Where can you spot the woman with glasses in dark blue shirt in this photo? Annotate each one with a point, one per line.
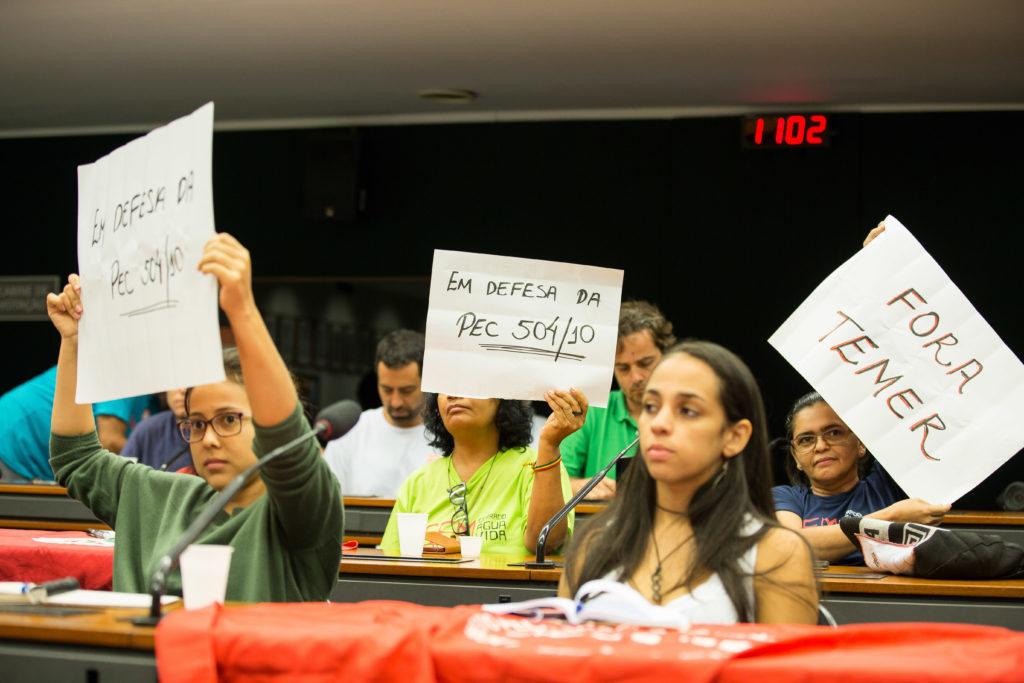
(827, 468)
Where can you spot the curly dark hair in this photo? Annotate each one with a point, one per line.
(514, 420)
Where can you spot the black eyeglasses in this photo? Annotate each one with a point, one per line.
(224, 424)
(460, 519)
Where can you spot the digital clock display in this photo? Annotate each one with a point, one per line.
(794, 130)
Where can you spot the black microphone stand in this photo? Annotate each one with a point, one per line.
(167, 563)
(177, 456)
(540, 562)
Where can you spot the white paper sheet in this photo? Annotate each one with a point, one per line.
(505, 327)
(91, 598)
(145, 211)
(903, 357)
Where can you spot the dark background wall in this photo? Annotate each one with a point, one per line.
(728, 241)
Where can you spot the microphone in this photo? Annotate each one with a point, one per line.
(542, 537)
(338, 417)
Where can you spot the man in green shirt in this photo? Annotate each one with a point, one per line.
(644, 334)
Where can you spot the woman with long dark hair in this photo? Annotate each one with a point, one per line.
(692, 527)
(489, 482)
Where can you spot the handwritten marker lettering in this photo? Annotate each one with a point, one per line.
(528, 290)
(945, 340)
(856, 350)
(185, 186)
(131, 280)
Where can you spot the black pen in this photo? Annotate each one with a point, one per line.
(41, 591)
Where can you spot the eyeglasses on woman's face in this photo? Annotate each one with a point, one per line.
(224, 425)
(835, 435)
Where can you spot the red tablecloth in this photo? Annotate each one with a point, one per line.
(24, 559)
(415, 644)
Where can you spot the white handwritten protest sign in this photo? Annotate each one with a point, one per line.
(144, 213)
(903, 357)
(504, 327)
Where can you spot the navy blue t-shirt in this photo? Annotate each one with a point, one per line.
(156, 440)
(874, 492)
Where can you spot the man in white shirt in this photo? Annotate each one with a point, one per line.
(388, 443)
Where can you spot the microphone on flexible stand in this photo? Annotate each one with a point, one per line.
(336, 419)
(540, 562)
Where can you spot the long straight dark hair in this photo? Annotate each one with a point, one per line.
(617, 538)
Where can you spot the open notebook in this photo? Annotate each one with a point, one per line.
(598, 600)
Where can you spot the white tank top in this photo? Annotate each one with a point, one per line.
(708, 603)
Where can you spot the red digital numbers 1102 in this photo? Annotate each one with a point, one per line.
(785, 131)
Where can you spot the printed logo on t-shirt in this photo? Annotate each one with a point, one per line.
(825, 521)
(820, 521)
(492, 527)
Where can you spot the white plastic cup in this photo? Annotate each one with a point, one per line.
(412, 532)
(204, 574)
(471, 546)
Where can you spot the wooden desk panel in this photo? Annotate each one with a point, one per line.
(100, 627)
(487, 567)
(100, 645)
(31, 506)
(838, 579)
(1009, 526)
(42, 506)
(487, 579)
(366, 518)
(852, 594)
(1003, 518)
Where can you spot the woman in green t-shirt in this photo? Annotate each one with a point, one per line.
(285, 524)
(489, 482)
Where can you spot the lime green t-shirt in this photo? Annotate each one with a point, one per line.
(497, 501)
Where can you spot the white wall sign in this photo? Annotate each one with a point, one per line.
(903, 357)
(145, 211)
(504, 327)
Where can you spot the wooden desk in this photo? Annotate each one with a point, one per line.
(850, 593)
(1007, 525)
(42, 506)
(852, 600)
(99, 645)
(487, 579)
(854, 597)
(46, 506)
(366, 518)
